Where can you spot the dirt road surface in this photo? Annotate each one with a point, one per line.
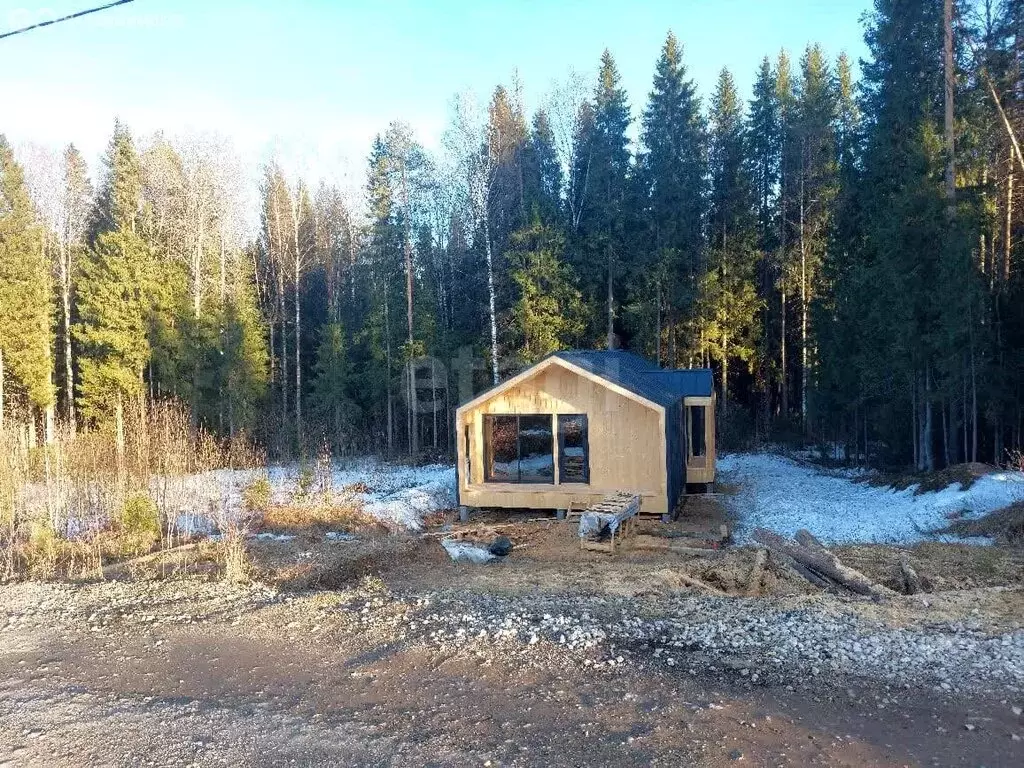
(198, 673)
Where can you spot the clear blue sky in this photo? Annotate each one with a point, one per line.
(319, 79)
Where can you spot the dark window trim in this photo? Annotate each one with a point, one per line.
(586, 448)
(489, 449)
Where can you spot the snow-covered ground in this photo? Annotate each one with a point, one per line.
(784, 496)
(397, 495)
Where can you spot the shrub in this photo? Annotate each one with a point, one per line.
(307, 477)
(140, 523)
(256, 495)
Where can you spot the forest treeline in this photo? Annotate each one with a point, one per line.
(845, 255)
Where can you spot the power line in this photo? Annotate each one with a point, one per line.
(69, 17)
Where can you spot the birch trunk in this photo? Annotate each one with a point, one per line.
(490, 297)
(65, 302)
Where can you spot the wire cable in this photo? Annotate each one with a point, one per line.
(69, 17)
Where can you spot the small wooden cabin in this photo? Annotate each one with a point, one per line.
(579, 425)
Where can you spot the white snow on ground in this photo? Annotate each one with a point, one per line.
(397, 495)
(784, 496)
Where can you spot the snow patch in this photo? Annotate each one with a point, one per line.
(782, 495)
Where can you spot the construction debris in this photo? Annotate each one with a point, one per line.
(603, 526)
(465, 552)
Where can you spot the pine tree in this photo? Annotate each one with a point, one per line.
(904, 220)
(120, 198)
(111, 286)
(786, 213)
(244, 367)
(76, 205)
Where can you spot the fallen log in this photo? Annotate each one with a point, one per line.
(911, 581)
(792, 567)
(757, 573)
(822, 561)
(808, 539)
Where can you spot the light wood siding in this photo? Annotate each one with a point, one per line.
(626, 441)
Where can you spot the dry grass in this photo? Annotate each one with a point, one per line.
(317, 518)
(963, 474)
(1004, 525)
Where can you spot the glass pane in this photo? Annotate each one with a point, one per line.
(697, 430)
(501, 434)
(536, 450)
(574, 459)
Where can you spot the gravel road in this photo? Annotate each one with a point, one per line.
(200, 673)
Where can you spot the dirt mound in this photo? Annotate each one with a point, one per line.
(926, 482)
(1005, 525)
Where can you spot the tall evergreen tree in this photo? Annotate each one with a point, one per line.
(672, 169)
(730, 297)
(25, 285)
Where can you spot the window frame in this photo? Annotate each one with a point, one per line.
(561, 448)
(489, 448)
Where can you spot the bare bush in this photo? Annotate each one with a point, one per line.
(69, 505)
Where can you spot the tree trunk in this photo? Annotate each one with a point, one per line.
(926, 436)
(803, 300)
(387, 358)
(1008, 234)
(657, 327)
(950, 83)
(611, 303)
(411, 378)
(65, 301)
(119, 433)
(491, 298)
(783, 378)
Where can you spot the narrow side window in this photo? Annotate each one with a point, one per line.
(573, 449)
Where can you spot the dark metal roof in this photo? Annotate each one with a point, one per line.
(688, 382)
(641, 376)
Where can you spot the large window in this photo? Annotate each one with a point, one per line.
(573, 449)
(518, 449)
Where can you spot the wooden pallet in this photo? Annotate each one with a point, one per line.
(625, 508)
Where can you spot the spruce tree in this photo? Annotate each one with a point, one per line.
(604, 157)
(730, 302)
(548, 314)
(113, 301)
(672, 168)
(542, 172)
(26, 309)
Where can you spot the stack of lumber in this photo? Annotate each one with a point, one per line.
(809, 558)
(604, 525)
